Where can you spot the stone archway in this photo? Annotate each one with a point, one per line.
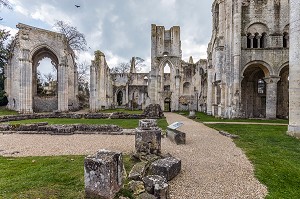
(47, 100)
(120, 98)
(283, 94)
(30, 45)
(254, 91)
(167, 105)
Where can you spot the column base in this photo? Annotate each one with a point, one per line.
(294, 131)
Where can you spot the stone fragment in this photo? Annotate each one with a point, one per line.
(156, 185)
(148, 141)
(137, 172)
(168, 167)
(137, 187)
(176, 136)
(147, 124)
(153, 111)
(103, 174)
(146, 195)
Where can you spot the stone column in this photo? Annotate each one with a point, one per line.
(258, 41)
(209, 90)
(62, 85)
(294, 61)
(93, 96)
(219, 62)
(175, 96)
(237, 41)
(271, 101)
(25, 98)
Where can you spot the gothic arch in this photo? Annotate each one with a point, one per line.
(32, 45)
(165, 61)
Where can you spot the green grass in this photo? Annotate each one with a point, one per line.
(123, 123)
(45, 177)
(276, 157)
(5, 111)
(202, 117)
(121, 110)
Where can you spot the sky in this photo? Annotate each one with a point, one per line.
(119, 28)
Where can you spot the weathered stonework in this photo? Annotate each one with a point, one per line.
(103, 174)
(148, 138)
(135, 90)
(248, 59)
(29, 47)
(294, 79)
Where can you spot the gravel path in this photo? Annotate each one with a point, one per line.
(212, 166)
(47, 145)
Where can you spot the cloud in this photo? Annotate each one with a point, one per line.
(121, 29)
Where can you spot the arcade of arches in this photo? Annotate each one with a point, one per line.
(264, 95)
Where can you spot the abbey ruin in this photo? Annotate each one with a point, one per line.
(251, 70)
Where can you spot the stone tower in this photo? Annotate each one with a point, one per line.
(164, 88)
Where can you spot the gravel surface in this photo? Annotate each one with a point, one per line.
(212, 166)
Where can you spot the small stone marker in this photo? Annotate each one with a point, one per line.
(174, 135)
(148, 137)
(103, 174)
(175, 125)
(168, 167)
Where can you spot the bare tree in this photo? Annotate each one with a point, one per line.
(6, 3)
(76, 39)
(121, 68)
(125, 67)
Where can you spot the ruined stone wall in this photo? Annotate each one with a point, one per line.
(248, 37)
(30, 46)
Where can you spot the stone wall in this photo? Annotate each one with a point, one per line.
(45, 104)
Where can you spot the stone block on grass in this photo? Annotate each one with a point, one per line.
(103, 174)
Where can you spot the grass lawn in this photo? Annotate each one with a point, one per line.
(202, 117)
(123, 123)
(45, 177)
(5, 111)
(276, 157)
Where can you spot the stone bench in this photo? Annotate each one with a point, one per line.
(176, 136)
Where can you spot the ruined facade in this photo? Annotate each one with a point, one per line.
(248, 56)
(172, 82)
(29, 47)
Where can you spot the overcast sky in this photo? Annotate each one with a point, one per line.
(119, 28)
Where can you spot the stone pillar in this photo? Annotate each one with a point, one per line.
(271, 101)
(25, 94)
(93, 86)
(176, 94)
(294, 62)
(219, 62)
(209, 90)
(103, 174)
(148, 137)
(258, 41)
(63, 86)
(237, 41)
